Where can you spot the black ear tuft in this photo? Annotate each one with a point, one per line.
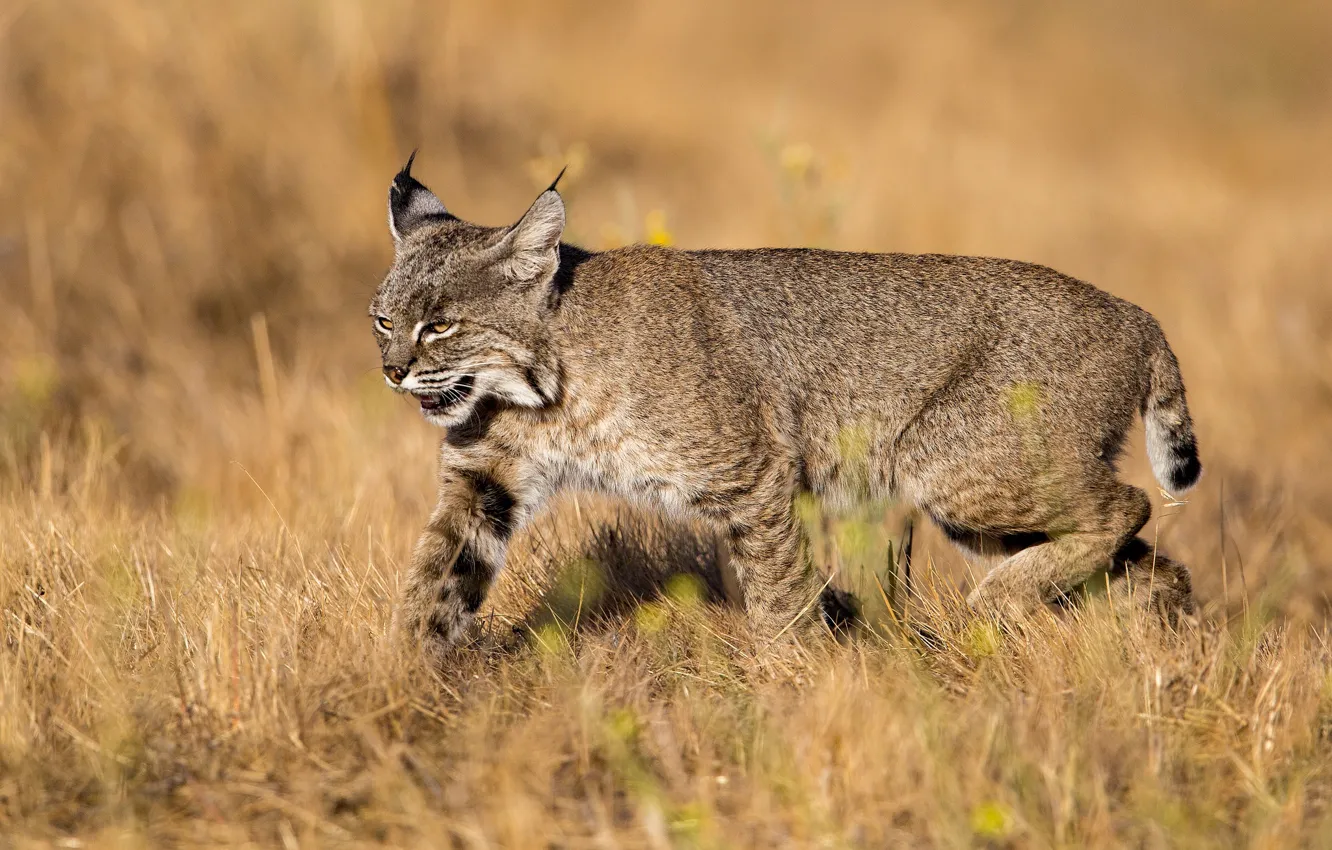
(403, 180)
(553, 183)
(411, 204)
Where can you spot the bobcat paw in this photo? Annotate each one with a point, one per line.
(433, 633)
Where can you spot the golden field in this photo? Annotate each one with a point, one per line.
(208, 495)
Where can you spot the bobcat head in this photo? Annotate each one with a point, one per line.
(462, 314)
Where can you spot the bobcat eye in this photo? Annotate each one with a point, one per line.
(442, 328)
(385, 322)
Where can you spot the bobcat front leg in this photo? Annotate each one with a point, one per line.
(458, 556)
(771, 561)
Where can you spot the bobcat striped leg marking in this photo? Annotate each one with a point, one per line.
(458, 557)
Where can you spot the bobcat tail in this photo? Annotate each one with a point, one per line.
(1171, 446)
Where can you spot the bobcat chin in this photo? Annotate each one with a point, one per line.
(994, 395)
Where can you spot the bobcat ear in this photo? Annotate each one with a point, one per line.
(531, 247)
(411, 204)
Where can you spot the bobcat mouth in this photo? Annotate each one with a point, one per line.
(442, 402)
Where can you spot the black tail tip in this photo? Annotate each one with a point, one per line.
(1186, 472)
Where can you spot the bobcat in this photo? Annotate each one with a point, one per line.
(993, 395)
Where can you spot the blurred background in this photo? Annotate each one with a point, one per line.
(192, 219)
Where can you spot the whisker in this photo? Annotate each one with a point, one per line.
(427, 380)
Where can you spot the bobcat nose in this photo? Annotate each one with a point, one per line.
(395, 374)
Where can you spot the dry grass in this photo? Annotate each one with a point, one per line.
(207, 495)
